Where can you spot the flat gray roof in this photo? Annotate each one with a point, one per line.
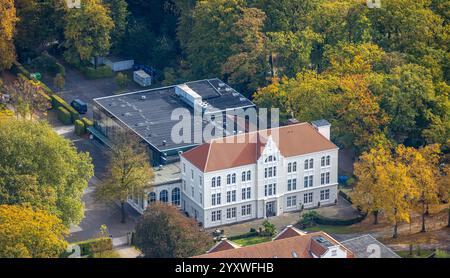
(148, 112)
(364, 245)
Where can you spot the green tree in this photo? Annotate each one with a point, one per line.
(41, 169)
(164, 232)
(122, 80)
(119, 15)
(7, 28)
(247, 67)
(87, 31)
(28, 233)
(129, 172)
(41, 22)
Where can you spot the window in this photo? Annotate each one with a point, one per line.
(292, 184)
(328, 160)
(228, 179)
(271, 158)
(327, 177)
(270, 172)
(243, 176)
(200, 180)
(192, 174)
(325, 195)
(184, 185)
(249, 175)
(233, 178)
(216, 215)
(192, 191)
(184, 168)
(151, 197)
(306, 164)
(201, 198)
(294, 167)
(311, 180)
(216, 199)
(322, 161)
(164, 196)
(305, 183)
(311, 163)
(270, 189)
(176, 197)
(265, 172)
(246, 210)
(322, 178)
(231, 196)
(308, 198)
(231, 213)
(218, 181)
(274, 171)
(291, 201)
(246, 193)
(289, 167)
(213, 182)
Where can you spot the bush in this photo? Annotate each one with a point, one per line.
(100, 72)
(269, 228)
(87, 122)
(80, 129)
(311, 218)
(308, 219)
(49, 64)
(121, 80)
(64, 116)
(59, 102)
(91, 246)
(18, 68)
(59, 81)
(246, 235)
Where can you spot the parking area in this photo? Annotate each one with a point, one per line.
(77, 86)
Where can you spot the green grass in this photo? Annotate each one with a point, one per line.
(251, 240)
(423, 254)
(332, 229)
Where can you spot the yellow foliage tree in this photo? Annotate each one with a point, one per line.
(7, 26)
(25, 233)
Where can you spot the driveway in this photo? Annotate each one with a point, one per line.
(79, 87)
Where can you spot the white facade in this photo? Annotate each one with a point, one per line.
(271, 186)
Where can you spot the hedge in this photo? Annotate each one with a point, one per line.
(80, 128)
(100, 72)
(59, 102)
(18, 68)
(45, 92)
(246, 235)
(87, 123)
(64, 116)
(91, 246)
(321, 220)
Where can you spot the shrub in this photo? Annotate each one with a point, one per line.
(269, 228)
(100, 72)
(246, 235)
(64, 116)
(80, 129)
(91, 246)
(87, 123)
(59, 102)
(121, 80)
(321, 220)
(59, 81)
(308, 219)
(18, 68)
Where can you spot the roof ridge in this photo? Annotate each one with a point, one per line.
(207, 156)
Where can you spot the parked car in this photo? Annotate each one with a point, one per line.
(79, 105)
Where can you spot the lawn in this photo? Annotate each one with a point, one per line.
(251, 240)
(109, 254)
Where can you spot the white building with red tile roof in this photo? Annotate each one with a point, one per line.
(260, 174)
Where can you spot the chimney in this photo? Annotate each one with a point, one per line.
(323, 127)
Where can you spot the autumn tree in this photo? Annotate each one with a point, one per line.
(27, 98)
(423, 169)
(28, 233)
(247, 67)
(43, 170)
(368, 192)
(87, 31)
(129, 172)
(164, 232)
(7, 27)
(444, 188)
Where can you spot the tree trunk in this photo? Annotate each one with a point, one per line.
(375, 217)
(395, 230)
(427, 212)
(423, 219)
(122, 209)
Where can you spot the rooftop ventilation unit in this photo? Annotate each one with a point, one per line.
(143, 97)
(187, 95)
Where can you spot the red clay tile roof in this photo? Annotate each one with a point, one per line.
(288, 232)
(245, 149)
(293, 247)
(222, 246)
